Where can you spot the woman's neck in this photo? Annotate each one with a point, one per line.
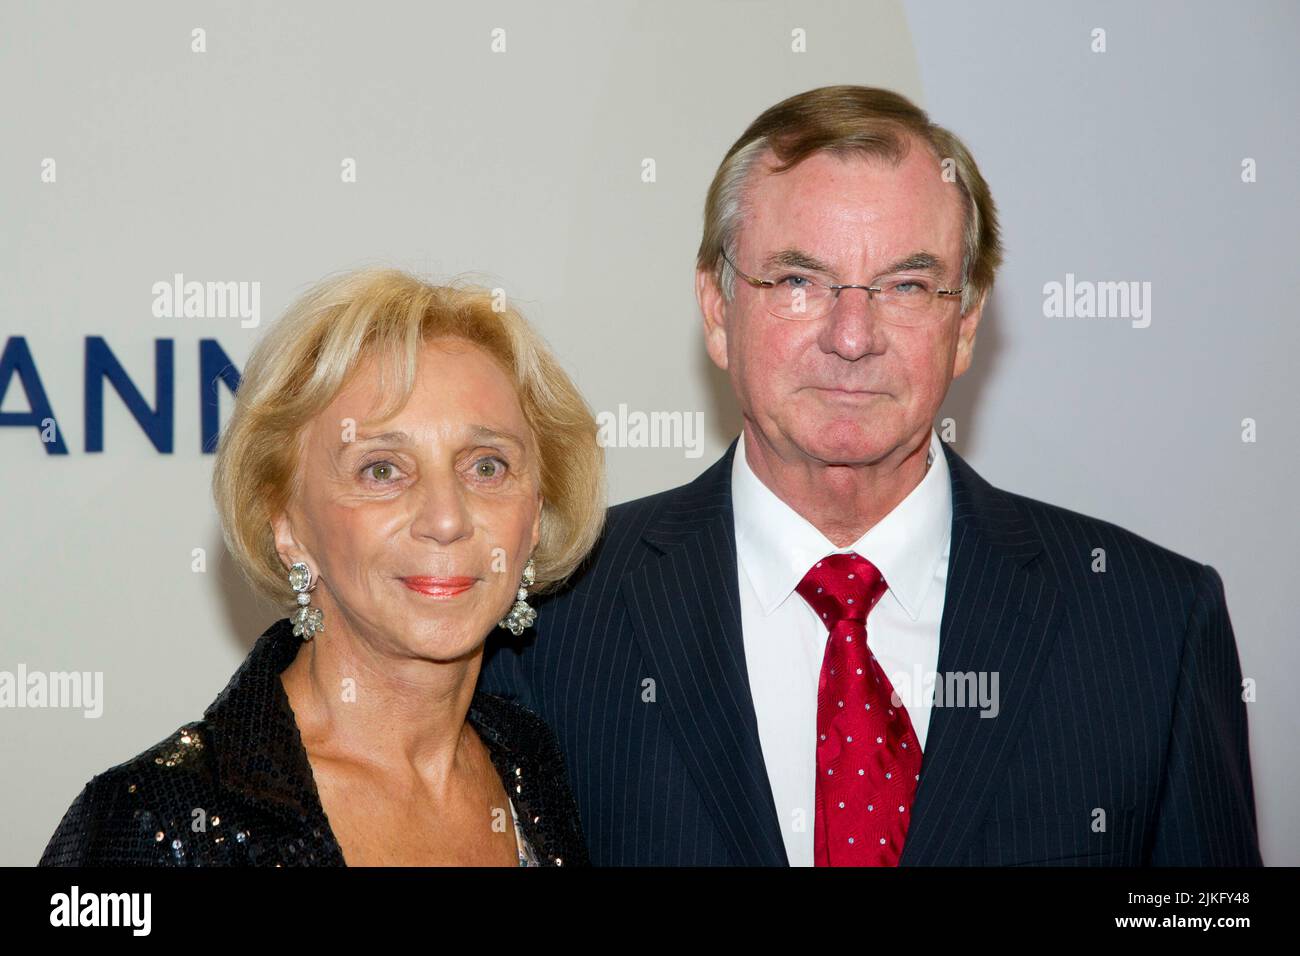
(357, 702)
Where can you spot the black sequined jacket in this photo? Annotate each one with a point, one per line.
(236, 788)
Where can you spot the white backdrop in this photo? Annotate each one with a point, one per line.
(131, 156)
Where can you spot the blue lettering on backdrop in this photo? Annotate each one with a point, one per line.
(17, 357)
(100, 363)
(214, 363)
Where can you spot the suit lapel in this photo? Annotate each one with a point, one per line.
(685, 609)
(998, 618)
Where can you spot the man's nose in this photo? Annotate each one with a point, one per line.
(852, 327)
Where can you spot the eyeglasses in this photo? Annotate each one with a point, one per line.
(906, 300)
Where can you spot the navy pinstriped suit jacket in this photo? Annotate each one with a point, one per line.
(1120, 692)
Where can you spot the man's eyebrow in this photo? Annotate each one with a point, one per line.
(795, 259)
(798, 259)
(917, 262)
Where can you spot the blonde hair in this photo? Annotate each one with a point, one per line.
(846, 120)
(308, 356)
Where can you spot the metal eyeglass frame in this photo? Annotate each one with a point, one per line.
(770, 284)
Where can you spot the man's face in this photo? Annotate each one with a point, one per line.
(848, 388)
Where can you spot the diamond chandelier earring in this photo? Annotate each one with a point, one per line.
(307, 619)
(521, 615)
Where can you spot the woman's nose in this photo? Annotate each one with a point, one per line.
(441, 512)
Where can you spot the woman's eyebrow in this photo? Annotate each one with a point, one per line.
(484, 433)
(476, 432)
(396, 438)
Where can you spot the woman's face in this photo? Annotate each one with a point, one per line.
(418, 527)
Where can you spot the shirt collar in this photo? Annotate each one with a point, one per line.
(776, 545)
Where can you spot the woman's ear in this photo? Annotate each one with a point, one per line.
(287, 545)
(537, 522)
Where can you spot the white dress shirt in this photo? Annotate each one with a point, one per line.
(785, 641)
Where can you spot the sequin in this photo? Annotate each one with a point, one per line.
(245, 759)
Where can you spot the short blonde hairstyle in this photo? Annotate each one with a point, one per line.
(309, 355)
(848, 120)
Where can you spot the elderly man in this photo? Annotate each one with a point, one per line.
(840, 645)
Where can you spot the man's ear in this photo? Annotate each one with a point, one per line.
(966, 337)
(713, 307)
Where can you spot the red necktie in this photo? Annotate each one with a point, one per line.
(868, 757)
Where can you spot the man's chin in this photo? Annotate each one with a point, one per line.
(835, 449)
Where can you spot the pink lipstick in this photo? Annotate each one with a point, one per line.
(439, 587)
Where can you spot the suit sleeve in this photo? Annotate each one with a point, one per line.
(1206, 811)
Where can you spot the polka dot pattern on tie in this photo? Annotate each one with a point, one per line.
(884, 765)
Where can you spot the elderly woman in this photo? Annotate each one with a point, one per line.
(405, 465)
